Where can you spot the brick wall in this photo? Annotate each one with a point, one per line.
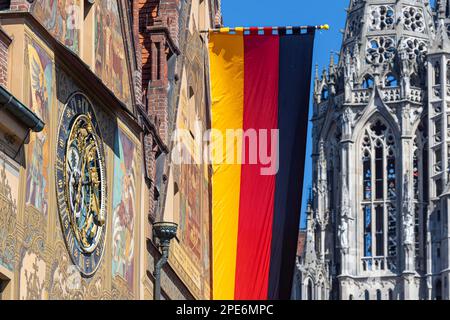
(158, 28)
(20, 5)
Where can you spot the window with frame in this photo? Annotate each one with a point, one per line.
(379, 194)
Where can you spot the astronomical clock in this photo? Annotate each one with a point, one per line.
(81, 183)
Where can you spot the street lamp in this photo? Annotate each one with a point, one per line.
(164, 231)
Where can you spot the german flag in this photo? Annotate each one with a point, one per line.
(260, 92)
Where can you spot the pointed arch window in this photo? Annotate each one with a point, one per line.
(325, 93)
(437, 73)
(379, 196)
(448, 72)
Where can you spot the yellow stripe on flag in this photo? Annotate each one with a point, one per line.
(227, 84)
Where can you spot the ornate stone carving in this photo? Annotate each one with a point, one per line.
(408, 213)
(8, 213)
(412, 48)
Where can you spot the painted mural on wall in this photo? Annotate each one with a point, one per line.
(9, 186)
(124, 208)
(41, 92)
(61, 18)
(110, 57)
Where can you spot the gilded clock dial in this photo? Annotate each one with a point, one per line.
(81, 183)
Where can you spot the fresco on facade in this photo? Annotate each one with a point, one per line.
(110, 57)
(41, 74)
(124, 206)
(9, 187)
(62, 18)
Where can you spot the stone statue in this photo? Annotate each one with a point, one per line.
(408, 213)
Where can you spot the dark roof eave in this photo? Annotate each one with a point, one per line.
(79, 68)
(20, 111)
(151, 128)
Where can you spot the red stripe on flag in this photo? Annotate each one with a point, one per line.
(261, 66)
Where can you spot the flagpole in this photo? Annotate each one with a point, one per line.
(243, 29)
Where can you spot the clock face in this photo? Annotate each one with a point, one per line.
(80, 183)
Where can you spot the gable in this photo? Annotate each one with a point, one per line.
(58, 17)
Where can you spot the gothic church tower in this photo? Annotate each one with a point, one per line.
(381, 157)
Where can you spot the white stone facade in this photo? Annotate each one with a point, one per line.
(377, 222)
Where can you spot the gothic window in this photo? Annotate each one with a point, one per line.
(413, 19)
(379, 194)
(414, 48)
(379, 230)
(356, 3)
(366, 295)
(417, 230)
(392, 230)
(381, 18)
(378, 294)
(437, 129)
(380, 49)
(350, 297)
(390, 81)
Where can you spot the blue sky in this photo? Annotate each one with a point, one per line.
(294, 13)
